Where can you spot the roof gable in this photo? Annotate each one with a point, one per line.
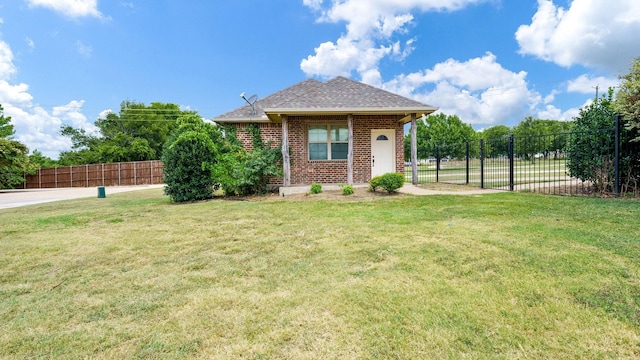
(336, 96)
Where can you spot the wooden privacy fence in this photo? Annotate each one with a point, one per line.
(116, 174)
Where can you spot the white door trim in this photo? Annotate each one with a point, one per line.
(384, 150)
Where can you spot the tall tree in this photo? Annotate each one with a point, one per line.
(627, 101)
(154, 123)
(14, 159)
(137, 132)
(6, 128)
(496, 140)
(39, 160)
(538, 136)
(443, 131)
(495, 132)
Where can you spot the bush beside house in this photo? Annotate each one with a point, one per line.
(390, 182)
(192, 145)
(199, 157)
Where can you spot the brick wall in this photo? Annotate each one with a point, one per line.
(269, 132)
(304, 171)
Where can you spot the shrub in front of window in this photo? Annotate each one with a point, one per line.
(316, 189)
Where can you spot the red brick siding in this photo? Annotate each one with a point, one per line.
(269, 132)
(304, 171)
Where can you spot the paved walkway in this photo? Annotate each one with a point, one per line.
(16, 198)
(415, 190)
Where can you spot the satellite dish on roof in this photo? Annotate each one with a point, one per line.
(251, 101)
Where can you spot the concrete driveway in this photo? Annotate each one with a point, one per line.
(17, 198)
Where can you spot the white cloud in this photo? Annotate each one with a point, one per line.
(30, 43)
(84, 50)
(345, 56)
(103, 114)
(313, 4)
(70, 8)
(70, 114)
(7, 69)
(551, 112)
(479, 90)
(35, 126)
(371, 27)
(592, 33)
(587, 85)
(37, 129)
(15, 94)
(551, 96)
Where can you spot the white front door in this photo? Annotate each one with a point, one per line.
(383, 151)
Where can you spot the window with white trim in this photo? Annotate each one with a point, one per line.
(328, 142)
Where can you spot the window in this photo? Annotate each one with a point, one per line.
(328, 142)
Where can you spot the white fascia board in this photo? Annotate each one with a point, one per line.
(243, 120)
(364, 110)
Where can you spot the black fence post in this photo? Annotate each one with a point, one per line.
(482, 163)
(616, 160)
(437, 164)
(467, 163)
(511, 160)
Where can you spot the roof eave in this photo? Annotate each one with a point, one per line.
(235, 120)
(275, 114)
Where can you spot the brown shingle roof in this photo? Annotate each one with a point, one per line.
(337, 96)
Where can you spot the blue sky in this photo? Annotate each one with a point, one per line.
(488, 61)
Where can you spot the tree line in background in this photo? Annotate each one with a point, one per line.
(137, 133)
(587, 143)
(447, 133)
(140, 132)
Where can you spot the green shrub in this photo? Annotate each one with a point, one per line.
(374, 184)
(186, 152)
(242, 172)
(391, 181)
(347, 189)
(591, 151)
(316, 189)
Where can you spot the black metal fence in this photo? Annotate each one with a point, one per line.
(577, 163)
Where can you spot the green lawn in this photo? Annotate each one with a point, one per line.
(507, 275)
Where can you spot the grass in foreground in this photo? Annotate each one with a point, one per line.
(492, 276)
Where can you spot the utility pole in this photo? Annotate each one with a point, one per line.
(596, 87)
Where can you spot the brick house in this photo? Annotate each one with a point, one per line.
(339, 131)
